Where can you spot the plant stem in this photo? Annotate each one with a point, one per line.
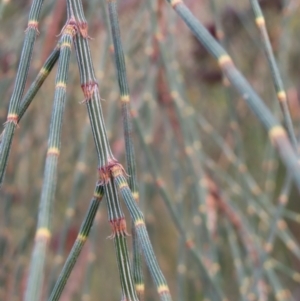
(21, 77)
(78, 244)
(43, 232)
(127, 128)
(276, 132)
(278, 83)
(105, 157)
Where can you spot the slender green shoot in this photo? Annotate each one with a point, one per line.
(127, 127)
(278, 83)
(43, 232)
(105, 157)
(78, 244)
(276, 132)
(37, 83)
(21, 77)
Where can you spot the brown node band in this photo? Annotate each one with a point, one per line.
(125, 98)
(83, 29)
(104, 176)
(224, 60)
(282, 96)
(123, 185)
(276, 132)
(33, 24)
(140, 287)
(118, 227)
(44, 72)
(112, 168)
(70, 29)
(61, 85)
(139, 223)
(65, 45)
(116, 171)
(163, 289)
(54, 151)
(43, 234)
(97, 196)
(81, 237)
(14, 118)
(260, 21)
(175, 2)
(88, 90)
(136, 196)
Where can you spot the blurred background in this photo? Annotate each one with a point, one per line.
(206, 135)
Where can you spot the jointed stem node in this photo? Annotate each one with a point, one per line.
(70, 28)
(113, 168)
(175, 2)
(88, 90)
(33, 24)
(118, 228)
(43, 234)
(14, 118)
(117, 170)
(163, 289)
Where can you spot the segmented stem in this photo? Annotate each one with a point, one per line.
(140, 228)
(209, 273)
(92, 99)
(38, 81)
(43, 232)
(119, 232)
(79, 177)
(276, 132)
(89, 84)
(36, 84)
(278, 83)
(21, 77)
(106, 159)
(78, 244)
(127, 127)
(125, 97)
